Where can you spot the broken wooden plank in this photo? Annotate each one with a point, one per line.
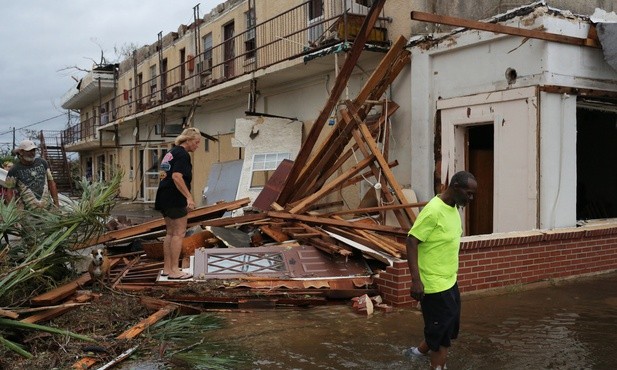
(339, 86)
(85, 363)
(331, 186)
(329, 221)
(398, 190)
(10, 314)
(147, 322)
(58, 294)
(156, 304)
(276, 235)
(124, 271)
(500, 28)
(363, 247)
(330, 248)
(387, 70)
(378, 171)
(374, 209)
(273, 187)
(58, 310)
(199, 214)
(235, 221)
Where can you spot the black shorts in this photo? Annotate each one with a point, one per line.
(442, 316)
(175, 213)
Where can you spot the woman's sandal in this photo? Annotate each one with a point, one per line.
(184, 276)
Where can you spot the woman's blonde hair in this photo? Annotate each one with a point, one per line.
(188, 134)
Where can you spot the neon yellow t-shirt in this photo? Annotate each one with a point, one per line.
(438, 227)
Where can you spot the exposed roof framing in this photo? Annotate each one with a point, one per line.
(509, 30)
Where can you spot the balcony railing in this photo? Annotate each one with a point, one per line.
(83, 131)
(289, 35)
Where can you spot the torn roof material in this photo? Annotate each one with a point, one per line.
(539, 6)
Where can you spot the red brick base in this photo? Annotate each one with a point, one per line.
(517, 258)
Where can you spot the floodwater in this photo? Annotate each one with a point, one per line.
(567, 325)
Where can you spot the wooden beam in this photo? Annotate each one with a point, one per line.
(387, 172)
(338, 88)
(381, 71)
(329, 221)
(387, 70)
(200, 213)
(147, 322)
(58, 310)
(332, 185)
(228, 221)
(593, 93)
(56, 295)
(367, 174)
(383, 181)
(328, 153)
(375, 209)
(276, 235)
(500, 28)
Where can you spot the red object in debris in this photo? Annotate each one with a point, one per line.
(363, 304)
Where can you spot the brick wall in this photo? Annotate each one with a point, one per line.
(500, 260)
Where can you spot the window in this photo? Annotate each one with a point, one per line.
(249, 42)
(131, 163)
(140, 81)
(207, 42)
(246, 263)
(315, 9)
(315, 21)
(264, 166)
(130, 94)
(152, 78)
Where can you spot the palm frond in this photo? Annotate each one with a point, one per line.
(41, 254)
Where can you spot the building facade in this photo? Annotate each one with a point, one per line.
(534, 119)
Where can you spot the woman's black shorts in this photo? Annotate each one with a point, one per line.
(175, 213)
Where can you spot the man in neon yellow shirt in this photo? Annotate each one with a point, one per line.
(432, 253)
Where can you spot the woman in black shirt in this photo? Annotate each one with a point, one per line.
(174, 199)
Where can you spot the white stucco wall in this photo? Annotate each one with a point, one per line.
(513, 114)
(474, 63)
(558, 164)
(270, 135)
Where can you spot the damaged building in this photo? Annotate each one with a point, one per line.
(339, 125)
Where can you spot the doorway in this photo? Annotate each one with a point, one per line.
(150, 158)
(595, 162)
(229, 52)
(480, 162)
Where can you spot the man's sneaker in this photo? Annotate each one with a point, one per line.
(414, 352)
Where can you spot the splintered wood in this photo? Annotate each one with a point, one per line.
(354, 150)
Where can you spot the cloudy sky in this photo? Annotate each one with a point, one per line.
(42, 40)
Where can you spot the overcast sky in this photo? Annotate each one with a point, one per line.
(40, 39)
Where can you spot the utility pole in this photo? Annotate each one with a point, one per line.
(13, 140)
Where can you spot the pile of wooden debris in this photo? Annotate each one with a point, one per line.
(287, 247)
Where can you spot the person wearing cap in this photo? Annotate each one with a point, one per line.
(31, 179)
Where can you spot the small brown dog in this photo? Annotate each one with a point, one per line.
(99, 268)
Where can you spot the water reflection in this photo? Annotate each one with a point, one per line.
(572, 325)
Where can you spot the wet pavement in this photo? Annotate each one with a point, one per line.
(135, 212)
(566, 325)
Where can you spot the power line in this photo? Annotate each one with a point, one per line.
(32, 124)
